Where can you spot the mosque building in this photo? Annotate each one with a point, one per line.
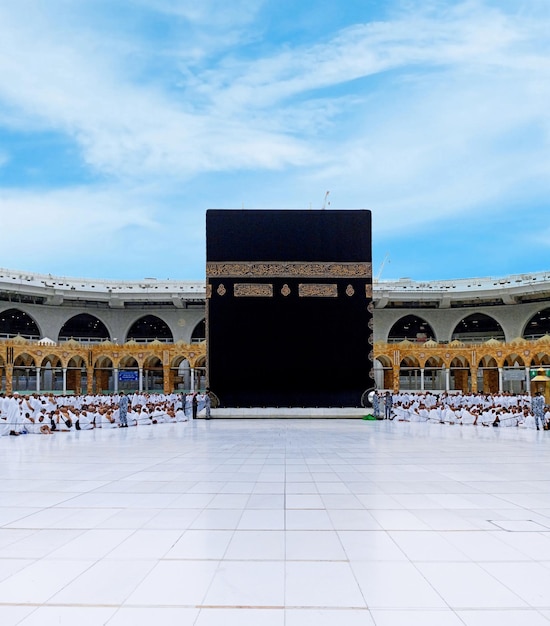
(72, 335)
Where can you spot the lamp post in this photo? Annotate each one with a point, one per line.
(541, 381)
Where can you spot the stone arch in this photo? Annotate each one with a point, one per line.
(84, 327)
(77, 374)
(24, 360)
(383, 372)
(53, 360)
(412, 328)
(199, 332)
(541, 358)
(180, 371)
(460, 374)
(153, 374)
(128, 373)
(150, 328)
(514, 360)
(128, 362)
(103, 376)
(434, 374)
(409, 374)
(200, 374)
(24, 373)
(538, 325)
(15, 322)
(51, 373)
(478, 327)
(514, 376)
(487, 374)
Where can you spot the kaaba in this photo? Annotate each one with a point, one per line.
(289, 307)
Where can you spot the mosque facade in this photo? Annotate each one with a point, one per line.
(70, 335)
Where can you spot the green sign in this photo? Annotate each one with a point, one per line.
(533, 373)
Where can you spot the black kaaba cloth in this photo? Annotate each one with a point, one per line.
(289, 307)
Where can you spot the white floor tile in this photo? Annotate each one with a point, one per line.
(145, 616)
(395, 585)
(418, 618)
(314, 545)
(174, 583)
(275, 522)
(68, 616)
(146, 545)
(40, 580)
(262, 519)
(375, 545)
(256, 545)
(247, 584)
(12, 615)
(503, 618)
(467, 585)
(200, 544)
(322, 585)
(328, 617)
(241, 617)
(300, 519)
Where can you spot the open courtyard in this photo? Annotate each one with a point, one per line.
(276, 522)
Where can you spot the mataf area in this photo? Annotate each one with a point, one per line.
(282, 523)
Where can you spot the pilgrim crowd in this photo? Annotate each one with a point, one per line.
(45, 414)
(473, 409)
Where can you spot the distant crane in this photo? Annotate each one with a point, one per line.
(325, 203)
(384, 261)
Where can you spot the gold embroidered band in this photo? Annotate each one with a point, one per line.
(281, 269)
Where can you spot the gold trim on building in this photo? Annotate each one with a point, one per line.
(253, 290)
(221, 290)
(287, 269)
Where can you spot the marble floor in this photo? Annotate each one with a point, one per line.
(276, 522)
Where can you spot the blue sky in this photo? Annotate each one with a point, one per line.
(121, 122)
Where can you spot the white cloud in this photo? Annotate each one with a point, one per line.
(71, 222)
(124, 128)
(427, 143)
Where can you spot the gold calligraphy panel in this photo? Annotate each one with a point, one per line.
(312, 290)
(255, 290)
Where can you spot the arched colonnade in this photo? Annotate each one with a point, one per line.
(72, 367)
(489, 367)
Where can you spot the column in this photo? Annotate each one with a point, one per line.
(89, 380)
(166, 382)
(9, 378)
(64, 373)
(422, 379)
(192, 380)
(37, 379)
(527, 380)
(500, 379)
(140, 379)
(473, 375)
(447, 378)
(115, 379)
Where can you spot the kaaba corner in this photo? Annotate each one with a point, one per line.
(289, 307)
